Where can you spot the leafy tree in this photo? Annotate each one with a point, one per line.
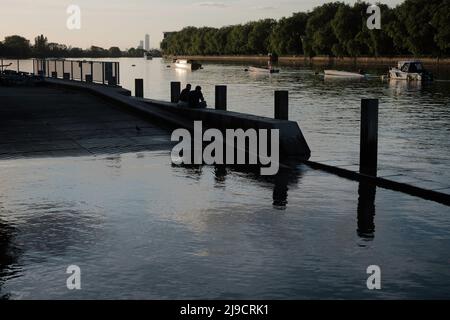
(286, 36)
(258, 37)
(413, 28)
(17, 46)
(440, 22)
(346, 26)
(40, 48)
(115, 52)
(319, 32)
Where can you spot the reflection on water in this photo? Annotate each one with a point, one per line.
(8, 255)
(366, 210)
(280, 190)
(147, 229)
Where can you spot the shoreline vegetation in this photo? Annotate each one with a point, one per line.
(312, 60)
(413, 28)
(17, 47)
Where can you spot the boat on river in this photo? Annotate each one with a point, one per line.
(262, 70)
(187, 64)
(409, 70)
(343, 74)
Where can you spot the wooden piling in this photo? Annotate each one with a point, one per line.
(175, 89)
(139, 88)
(369, 137)
(282, 105)
(221, 97)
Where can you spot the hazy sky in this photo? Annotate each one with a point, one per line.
(124, 22)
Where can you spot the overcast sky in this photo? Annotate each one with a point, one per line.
(123, 23)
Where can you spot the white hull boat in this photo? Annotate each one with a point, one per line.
(262, 70)
(409, 71)
(187, 65)
(343, 74)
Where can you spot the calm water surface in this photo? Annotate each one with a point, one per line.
(140, 227)
(414, 124)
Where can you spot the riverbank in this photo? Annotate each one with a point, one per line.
(316, 60)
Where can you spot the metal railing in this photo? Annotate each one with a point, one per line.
(84, 71)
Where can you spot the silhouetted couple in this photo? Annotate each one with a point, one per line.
(194, 98)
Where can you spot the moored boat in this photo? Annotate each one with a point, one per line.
(262, 70)
(343, 74)
(409, 70)
(187, 64)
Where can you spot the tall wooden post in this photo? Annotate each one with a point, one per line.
(282, 105)
(369, 137)
(175, 89)
(221, 98)
(139, 88)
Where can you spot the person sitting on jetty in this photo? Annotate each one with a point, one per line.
(184, 96)
(196, 99)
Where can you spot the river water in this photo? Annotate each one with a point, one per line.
(139, 227)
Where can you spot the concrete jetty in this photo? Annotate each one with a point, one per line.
(55, 121)
(292, 141)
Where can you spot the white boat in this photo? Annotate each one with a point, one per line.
(343, 74)
(187, 64)
(409, 70)
(262, 70)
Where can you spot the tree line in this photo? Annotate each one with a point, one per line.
(19, 47)
(418, 27)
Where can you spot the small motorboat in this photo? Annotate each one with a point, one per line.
(148, 56)
(409, 70)
(187, 64)
(343, 74)
(262, 70)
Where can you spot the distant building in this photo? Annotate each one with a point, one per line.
(147, 42)
(141, 45)
(168, 33)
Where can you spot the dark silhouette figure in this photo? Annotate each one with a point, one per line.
(366, 210)
(280, 191)
(196, 99)
(184, 95)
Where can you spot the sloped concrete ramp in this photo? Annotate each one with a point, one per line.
(46, 121)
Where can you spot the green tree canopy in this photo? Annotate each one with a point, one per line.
(17, 46)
